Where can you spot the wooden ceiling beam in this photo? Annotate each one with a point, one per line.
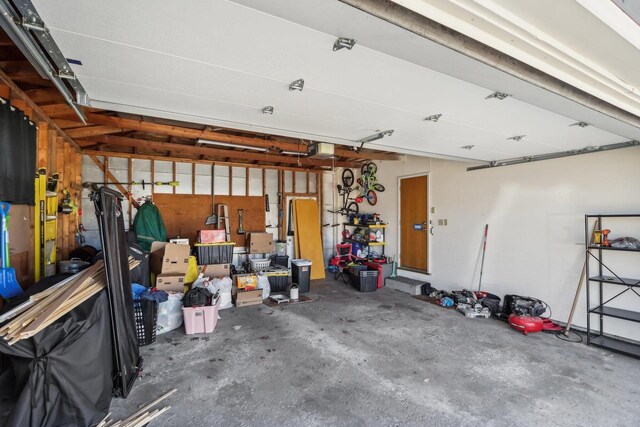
(184, 160)
(89, 131)
(44, 96)
(211, 151)
(41, 115)
(190, 133)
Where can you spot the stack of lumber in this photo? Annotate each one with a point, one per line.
(44, 308)
(141, 417)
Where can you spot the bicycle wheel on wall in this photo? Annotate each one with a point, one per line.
(347, 177)
(372, 197)
(352, 208)
(378, 187)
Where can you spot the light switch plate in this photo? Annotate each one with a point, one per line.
(433, 210)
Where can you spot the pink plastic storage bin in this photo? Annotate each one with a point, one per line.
(200, 320)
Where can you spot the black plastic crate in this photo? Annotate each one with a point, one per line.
(363, 279)
(214, 253)
(281, 260)
(146, 316)
(279, 283)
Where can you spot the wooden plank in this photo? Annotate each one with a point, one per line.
(52, 152)
(89, 131)
(43, 145)
(59, 143)
(89, 152)
(44, 96)
(5, 91)
(69, 124)
(118, 141)
(22, 105)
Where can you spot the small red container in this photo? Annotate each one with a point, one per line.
(526, 324)
(211, 236)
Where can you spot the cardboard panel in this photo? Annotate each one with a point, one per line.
(184, 214)
(308, 235)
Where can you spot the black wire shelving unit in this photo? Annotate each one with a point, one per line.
(606, 276)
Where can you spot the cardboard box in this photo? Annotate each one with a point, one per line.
(169, 258)
(215, 270)
(211, 236)
(242, 281)
(260, 243)
(179, 241)
(245, 298)
(170, 282)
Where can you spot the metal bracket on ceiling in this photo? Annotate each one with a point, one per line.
(67, 74)
(297, 85)
(516, 138)
(467, 147)
(497, 95)
(344, 43)
(371, 138)
(580, 124)
(33, 24)
(267, 110)
(434, 118)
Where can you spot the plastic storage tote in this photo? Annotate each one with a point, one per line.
(200, 320)
(214, 253)
(363, 280)
(301, 274)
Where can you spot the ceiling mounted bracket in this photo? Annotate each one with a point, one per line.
(434, 118)
(498, 95)
(267, 110)
(516, 138)
(371, 138)
(33, 24)
(344, 43)
(67, 74)
(580, 124)
(467, 147)
(297, 85)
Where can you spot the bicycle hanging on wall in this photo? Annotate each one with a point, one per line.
(367, 186)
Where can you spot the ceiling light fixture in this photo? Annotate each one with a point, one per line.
(267, 110)
(467, 147)
(297, 85)
(581, 124)
(433, 118)
(371, 138)
(343, 43)
(226, 144)
(497, 95)
(516, 138)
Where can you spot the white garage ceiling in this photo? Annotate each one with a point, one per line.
(220, 62)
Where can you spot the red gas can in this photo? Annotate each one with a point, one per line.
(525, 324)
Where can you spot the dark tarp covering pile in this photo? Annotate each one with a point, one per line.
(63, 376)
(17, 156)
(149, 226)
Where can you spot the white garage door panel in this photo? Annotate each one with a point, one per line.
(218, 62)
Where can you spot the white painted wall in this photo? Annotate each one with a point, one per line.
(535, 214)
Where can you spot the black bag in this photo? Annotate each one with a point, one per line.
(62, 376)
(197, 297)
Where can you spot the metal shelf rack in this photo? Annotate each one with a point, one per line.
(379, 246)
(606, 276)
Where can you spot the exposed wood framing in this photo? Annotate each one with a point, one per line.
(41, 115)
(208, 151)
(109, 177)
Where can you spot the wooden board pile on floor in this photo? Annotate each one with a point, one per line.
(46, 307)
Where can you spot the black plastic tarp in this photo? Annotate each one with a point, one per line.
(127, 361)
(63, 375)
(17, 156)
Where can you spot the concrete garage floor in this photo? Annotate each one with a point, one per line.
(380, 358)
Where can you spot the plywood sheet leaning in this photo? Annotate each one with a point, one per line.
(308, 235)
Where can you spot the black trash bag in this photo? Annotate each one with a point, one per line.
(63, 375)
(141, 273)
(197, 297)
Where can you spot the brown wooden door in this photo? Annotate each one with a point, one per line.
(414, 228)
